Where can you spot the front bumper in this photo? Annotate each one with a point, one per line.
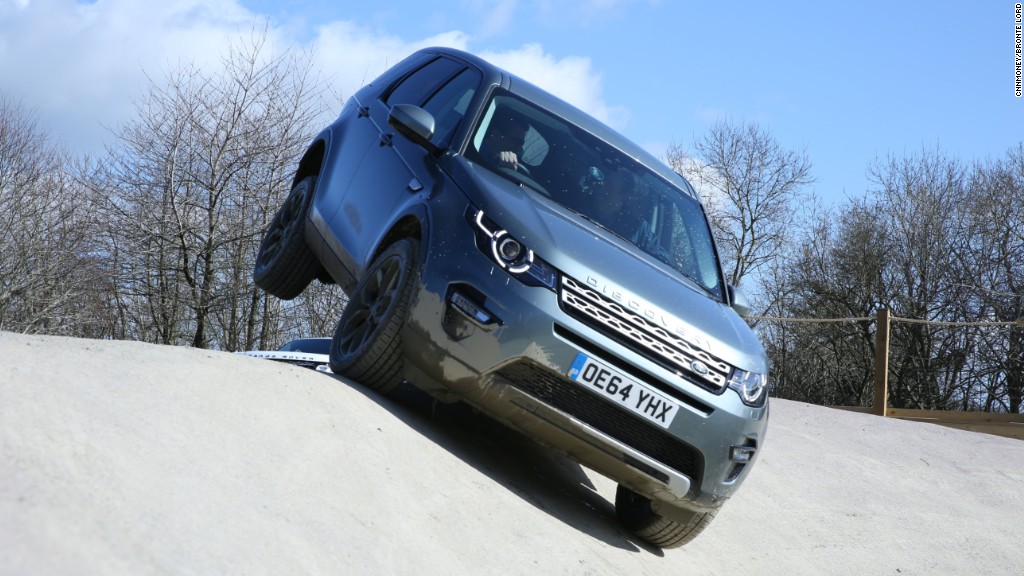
(477, 332)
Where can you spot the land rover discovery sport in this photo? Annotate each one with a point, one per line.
(503, 248)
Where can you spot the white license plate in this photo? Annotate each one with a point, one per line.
(637, 397)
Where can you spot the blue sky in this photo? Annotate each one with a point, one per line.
(848, 83)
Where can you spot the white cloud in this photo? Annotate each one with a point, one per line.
(352, 55)
(80, 64)
(707, 181)
(570, 78)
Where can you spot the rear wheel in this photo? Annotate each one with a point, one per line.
(636, 514)
(367, 344)
(284, 264)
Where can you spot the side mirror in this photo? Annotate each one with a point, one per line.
(414, 123)
(738, 301)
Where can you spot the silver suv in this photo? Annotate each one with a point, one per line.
(502, 248)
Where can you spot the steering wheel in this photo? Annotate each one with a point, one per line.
(523, 176)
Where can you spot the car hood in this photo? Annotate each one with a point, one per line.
(610, 265)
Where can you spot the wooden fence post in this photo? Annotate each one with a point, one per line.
(881, 399)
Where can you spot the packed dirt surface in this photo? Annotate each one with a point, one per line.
(130, 458)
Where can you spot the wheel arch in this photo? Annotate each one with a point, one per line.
(410, 225)
(312, 161)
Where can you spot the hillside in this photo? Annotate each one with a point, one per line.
(130, 458)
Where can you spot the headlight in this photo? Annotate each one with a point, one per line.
(751, 386)
(511, 254)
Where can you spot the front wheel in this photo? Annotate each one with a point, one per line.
(636, 514)
(367, 344)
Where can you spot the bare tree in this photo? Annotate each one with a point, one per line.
(313, 313)
(991, 259)
(751, 187)
(44, 250)
(837, 273)
(921, 198)
(190, 187)
(935, 247)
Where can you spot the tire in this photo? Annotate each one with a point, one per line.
(637, 516)
(284, 264)
(367, 345)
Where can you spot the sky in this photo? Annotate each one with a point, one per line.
(847, 84)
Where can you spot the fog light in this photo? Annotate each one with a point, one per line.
(742, 454)
(469, 308)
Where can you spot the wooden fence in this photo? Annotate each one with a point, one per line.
(1001, 424)
(1008, 425)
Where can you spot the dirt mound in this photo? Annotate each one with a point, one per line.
(129, 458)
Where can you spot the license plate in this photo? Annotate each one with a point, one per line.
(636, 397)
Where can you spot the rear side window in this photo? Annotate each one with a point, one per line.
(421, 84)
(444, 88)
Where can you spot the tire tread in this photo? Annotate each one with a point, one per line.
(636, 514)
(379, 367)
(295, 265)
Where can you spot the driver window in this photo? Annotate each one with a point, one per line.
(504, 127)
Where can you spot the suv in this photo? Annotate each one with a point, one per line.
(500, 247)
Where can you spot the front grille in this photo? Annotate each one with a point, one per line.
(633, 431)
(642, 335)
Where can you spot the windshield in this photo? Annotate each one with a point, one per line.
(589, 176)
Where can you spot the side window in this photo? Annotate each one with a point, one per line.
(448, 105)
(690, 244)
(418, 86)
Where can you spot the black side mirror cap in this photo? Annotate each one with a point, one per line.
(414, 123)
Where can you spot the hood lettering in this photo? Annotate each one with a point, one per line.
(651, 313)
